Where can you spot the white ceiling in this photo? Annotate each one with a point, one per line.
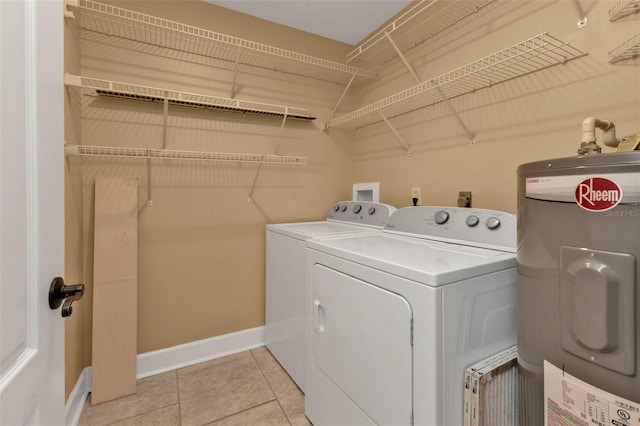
(348, 21)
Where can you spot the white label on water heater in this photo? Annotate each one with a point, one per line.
(585, 190)
(570, 401)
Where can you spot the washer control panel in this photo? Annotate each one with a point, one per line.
(361, 212)
(481, 227)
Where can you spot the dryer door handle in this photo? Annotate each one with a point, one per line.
(318, 317)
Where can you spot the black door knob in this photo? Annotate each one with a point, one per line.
(59, 293)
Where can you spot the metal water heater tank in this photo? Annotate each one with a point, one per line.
(578, 272)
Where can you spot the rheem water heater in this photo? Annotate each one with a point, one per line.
(578, 272)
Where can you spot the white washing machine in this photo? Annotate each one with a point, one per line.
(285, 253)
(394, 318)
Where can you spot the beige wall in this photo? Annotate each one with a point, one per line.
(201, 244)
(531, 118)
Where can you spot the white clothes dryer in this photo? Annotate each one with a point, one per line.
(285, 253)
(394, 318)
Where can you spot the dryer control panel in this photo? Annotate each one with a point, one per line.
(361, 212)
(476, 227)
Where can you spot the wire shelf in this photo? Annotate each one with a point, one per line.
(430, 17)
(157, 31)
(531, 55)
(167, 154)
(630, 49)
(624, 8)
(97, 87)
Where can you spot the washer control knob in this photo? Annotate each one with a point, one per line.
(357, 208)
(372, 210)
(336, 208)
(493, 223)
(343, 208)
(442, 217)
(472, 220)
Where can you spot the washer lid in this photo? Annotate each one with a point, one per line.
(306, 230)
(433, 263)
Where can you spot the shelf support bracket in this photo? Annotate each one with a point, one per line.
(165, 119)
(583, 17)
(253, 185)
(343, 94)
(149, 197)
(404, 60)
(235, 73)
(471, 136)
(395, 132)
(277, 144)
(281, 132)
(68, 4)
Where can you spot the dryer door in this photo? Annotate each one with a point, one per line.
(361, 340)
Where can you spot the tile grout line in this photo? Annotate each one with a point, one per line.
(242, 411)
(270, 388)
(138, 415)
(178, 394)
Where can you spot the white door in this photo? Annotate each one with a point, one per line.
(31, 211)
(361, 341)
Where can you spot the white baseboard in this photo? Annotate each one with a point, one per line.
(77, 398)
(160, 361)
(150, 363)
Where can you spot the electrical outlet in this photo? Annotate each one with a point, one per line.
(416, 192)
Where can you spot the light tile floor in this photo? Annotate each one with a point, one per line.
(248, 388)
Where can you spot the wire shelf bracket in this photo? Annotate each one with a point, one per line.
(344, 92)
(453, 110)
(531, 55)
(582, 17)
(69, 7)
(235, 73)
(624, 8)
(395, 132)
(149, 196)
(627, 51)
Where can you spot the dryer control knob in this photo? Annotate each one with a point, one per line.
(472, 220)
(357, 208)
(372, 210)
(343, 208)
(336, 208)
(442, 217)
(493, 223)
